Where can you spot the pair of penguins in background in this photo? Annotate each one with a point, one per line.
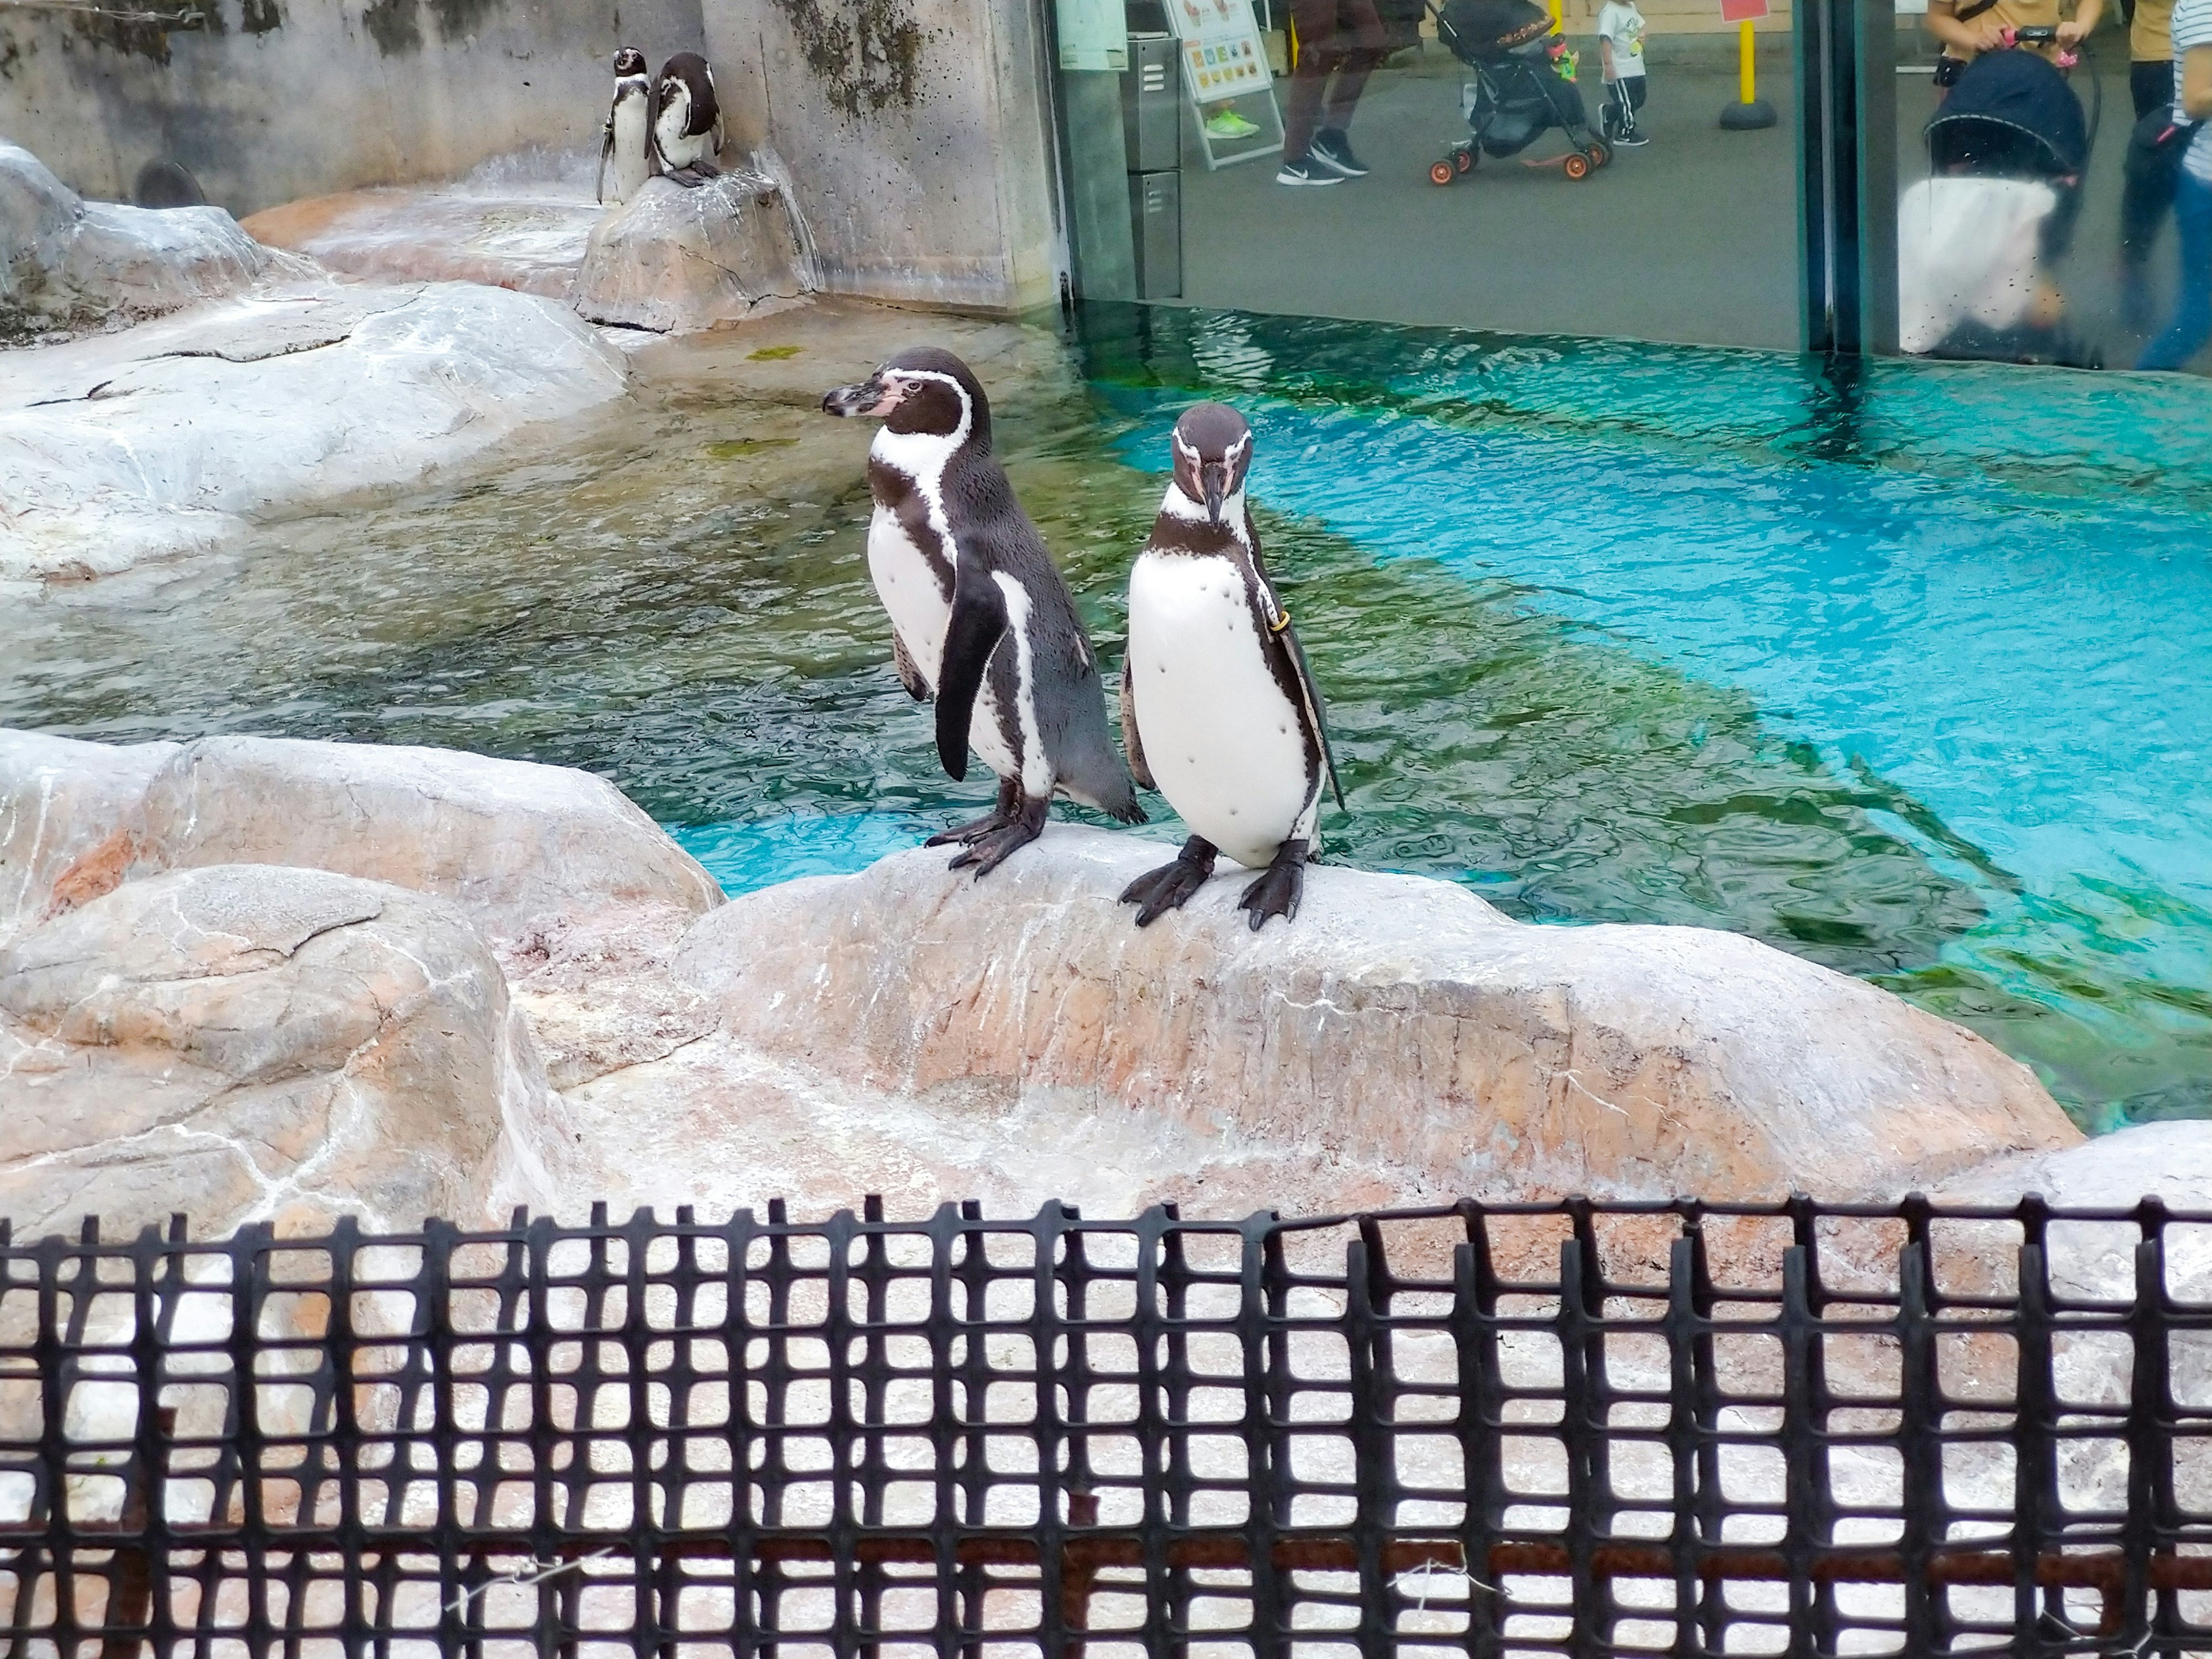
(1218, 708)
(671, 126)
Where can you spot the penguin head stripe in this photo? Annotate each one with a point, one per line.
(923, 390)
(1212, 451)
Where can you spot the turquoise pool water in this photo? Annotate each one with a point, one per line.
(1899, 671)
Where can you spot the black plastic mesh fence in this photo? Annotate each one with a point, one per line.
(1571, 1428)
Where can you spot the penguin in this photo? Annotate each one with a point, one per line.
(1218, 709)
(629, 142)
(982, 620)
(687, 121)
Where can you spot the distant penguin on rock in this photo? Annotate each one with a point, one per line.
(627, 142)
(1218, 709)
(981, 618)
(687, 121)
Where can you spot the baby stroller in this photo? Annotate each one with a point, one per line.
(1976, 239)
(1523, 85)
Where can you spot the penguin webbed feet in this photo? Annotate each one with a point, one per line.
(1279, 888)
(1170, 887)
(695, 176)
(1010, 802)
(990, 849)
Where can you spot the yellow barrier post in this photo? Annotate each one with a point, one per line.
(1750, 112)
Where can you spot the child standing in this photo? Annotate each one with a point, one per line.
(1620, 40)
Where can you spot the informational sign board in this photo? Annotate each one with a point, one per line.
(1742, 11)
(1223, 53)
(1094, 34)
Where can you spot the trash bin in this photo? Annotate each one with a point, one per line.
(1152, 120)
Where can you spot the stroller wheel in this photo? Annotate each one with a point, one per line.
(1601, 153)
(1576, 164)
(1442, 173)
(1464, 160)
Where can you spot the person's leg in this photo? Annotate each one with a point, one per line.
(1315, 23)
(2150, 85)
(2192, 316)
(1362, 42)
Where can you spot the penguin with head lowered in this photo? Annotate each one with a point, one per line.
(687, 121)
(1218, 709)
(981, 618)
(627, 141)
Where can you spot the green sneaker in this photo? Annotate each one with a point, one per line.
(1226, 123)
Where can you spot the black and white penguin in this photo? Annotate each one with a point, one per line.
(628, 142)
(687, 121)
(981, 618)
(1218, 708)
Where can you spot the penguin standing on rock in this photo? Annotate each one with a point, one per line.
(981, 618)
(687, 121)
(1216, 702)
(629, 133)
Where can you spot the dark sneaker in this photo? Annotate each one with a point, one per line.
(1305, 172)
(1333, 151)
(1631, 141)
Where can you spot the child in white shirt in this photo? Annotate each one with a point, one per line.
(1620, 40)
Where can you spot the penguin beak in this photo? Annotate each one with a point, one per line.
(873, 397)
(1213, 477)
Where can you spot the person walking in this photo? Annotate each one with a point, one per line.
(1340, 43)
(2192, 198)
(1967, 28)
(1620, 42)
(2153, 162)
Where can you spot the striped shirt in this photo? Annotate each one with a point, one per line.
(2192, 27)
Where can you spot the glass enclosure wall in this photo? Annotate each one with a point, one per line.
(1469, 163)
(1496, 164)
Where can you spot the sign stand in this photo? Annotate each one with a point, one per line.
(1750, 112)
(1223, 58)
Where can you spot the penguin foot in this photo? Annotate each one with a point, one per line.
(690, 178)
(1010, 804)
(988, 851)
(1170, 887)
(1278, 891)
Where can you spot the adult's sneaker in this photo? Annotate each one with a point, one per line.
(1226, 123)
(1631, 141)
(1333, 151)
(1306, 172)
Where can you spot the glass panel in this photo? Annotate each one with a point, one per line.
(2035, 216)
(1469, 162)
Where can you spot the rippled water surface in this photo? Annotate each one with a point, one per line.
(1903, 673)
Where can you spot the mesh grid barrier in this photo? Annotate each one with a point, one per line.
(1570, 1428)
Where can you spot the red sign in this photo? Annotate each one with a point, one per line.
(1742, 11)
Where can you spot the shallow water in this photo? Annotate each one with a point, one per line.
(1871, 669)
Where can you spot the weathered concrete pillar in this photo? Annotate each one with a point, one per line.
(918, 137)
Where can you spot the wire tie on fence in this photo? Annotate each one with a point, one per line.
(1421, 1604)
(522, 1576)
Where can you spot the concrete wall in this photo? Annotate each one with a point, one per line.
(917, 137)
(915, 132)
(273, 99)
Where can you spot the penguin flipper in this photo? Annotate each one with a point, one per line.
(606, 149)
(1286, 641)
(1132, 740)
(910, 676)
(979, 621)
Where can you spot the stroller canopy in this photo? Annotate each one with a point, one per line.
(2010, 115)
(1484, 31)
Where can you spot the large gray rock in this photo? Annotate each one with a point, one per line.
(672, 258)
(513, 843)
(1400, 1024)
(166, 438)
(247, 1043)
(66, 264)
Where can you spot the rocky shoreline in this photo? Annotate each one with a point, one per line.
(257, 979)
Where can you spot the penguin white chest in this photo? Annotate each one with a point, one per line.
(907, 583)
(1226, 746)
(675, 147)
(631, 168)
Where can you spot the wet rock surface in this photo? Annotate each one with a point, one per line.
(69, 265)
(245, 1042)
(163, 439)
